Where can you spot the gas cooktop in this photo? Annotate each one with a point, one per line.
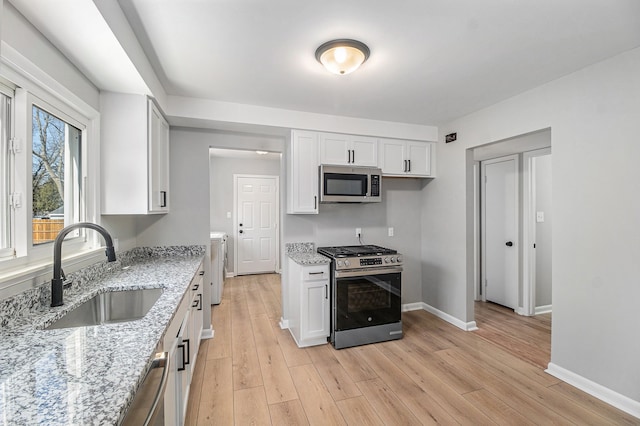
(355, 251)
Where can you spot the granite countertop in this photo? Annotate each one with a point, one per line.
(304, 254)
(88, 375)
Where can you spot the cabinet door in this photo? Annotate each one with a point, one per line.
(419, 156)
(364, 151)
(393, 157)
(315, 309)
(158, 159)
(184, 368)
(334, 149)
(196, 318)
(303, 173)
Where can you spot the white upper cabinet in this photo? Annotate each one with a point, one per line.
(348, 150)
(158, 161)
(134, 150)
(405, 158)
(302, 173)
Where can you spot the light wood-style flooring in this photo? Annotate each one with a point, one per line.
(252, 372)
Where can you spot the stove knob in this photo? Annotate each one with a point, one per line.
(393, 259)
(347, 263)
(386, 260)
(399, 259)
(340, 263)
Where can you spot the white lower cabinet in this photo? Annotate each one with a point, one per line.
(181, 341)
(309, 303)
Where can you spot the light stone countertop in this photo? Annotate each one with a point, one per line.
(305, 254)
(88, 375)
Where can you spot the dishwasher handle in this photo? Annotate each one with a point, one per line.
(162, 360)
(140, 408)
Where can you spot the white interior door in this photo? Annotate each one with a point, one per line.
(500, 230)
(256, 224)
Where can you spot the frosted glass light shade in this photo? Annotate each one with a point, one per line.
(342, 56)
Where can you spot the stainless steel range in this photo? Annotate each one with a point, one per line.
(366, 290)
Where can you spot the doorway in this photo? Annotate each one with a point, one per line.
(256, 223)
(528, 158)
(224, 163)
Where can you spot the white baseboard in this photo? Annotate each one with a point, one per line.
(207, 333)
(466, 326)
(284, 324)
(542, 309)
(605, 394)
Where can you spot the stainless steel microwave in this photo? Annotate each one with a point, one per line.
(349, 184)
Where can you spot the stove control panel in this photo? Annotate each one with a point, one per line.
(368, 262)
(371, 261)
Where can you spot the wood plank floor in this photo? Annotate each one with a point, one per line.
(252, 372)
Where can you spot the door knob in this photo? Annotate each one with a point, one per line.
(509, 244)
(241, 231)
(240, 224)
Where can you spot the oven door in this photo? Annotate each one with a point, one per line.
(365, 298)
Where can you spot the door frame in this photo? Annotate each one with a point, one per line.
(483, 225)
(529, 231)
(235, 218)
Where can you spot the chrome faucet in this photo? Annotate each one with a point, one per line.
(58, 280)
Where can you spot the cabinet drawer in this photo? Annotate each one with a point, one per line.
(316, 273)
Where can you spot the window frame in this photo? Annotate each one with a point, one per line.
(31, 265)
(6, 176)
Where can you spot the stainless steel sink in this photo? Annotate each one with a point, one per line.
(110, 307)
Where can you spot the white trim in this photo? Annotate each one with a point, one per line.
(284, 324)
(466, 326)
(207, 333)
(603, 393)
(477, 259)
(529, 230)
(542, 309)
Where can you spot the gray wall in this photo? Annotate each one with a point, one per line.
(592, 115)
(543, 230)
(222, 169)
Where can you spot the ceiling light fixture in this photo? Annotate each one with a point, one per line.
(342, 56)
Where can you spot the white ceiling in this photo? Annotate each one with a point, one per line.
(431, 60)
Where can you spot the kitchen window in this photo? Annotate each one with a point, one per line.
(44, 181)
(55, 174)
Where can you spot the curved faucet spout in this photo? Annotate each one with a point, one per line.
(57, 281)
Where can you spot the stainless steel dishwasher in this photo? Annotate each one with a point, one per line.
(147, 407)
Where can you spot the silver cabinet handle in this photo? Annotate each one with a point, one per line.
(326, 291)
(316, 273)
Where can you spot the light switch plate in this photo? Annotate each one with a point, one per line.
(391, 231)
(228, 215)
(539, 217)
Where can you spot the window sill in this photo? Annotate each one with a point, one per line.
(13, 282)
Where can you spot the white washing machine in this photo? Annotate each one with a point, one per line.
(218, 265)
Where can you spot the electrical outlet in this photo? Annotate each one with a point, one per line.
(228, 215)
(391, 231)
(358, 232)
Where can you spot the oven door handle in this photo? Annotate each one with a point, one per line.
(368, 271)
